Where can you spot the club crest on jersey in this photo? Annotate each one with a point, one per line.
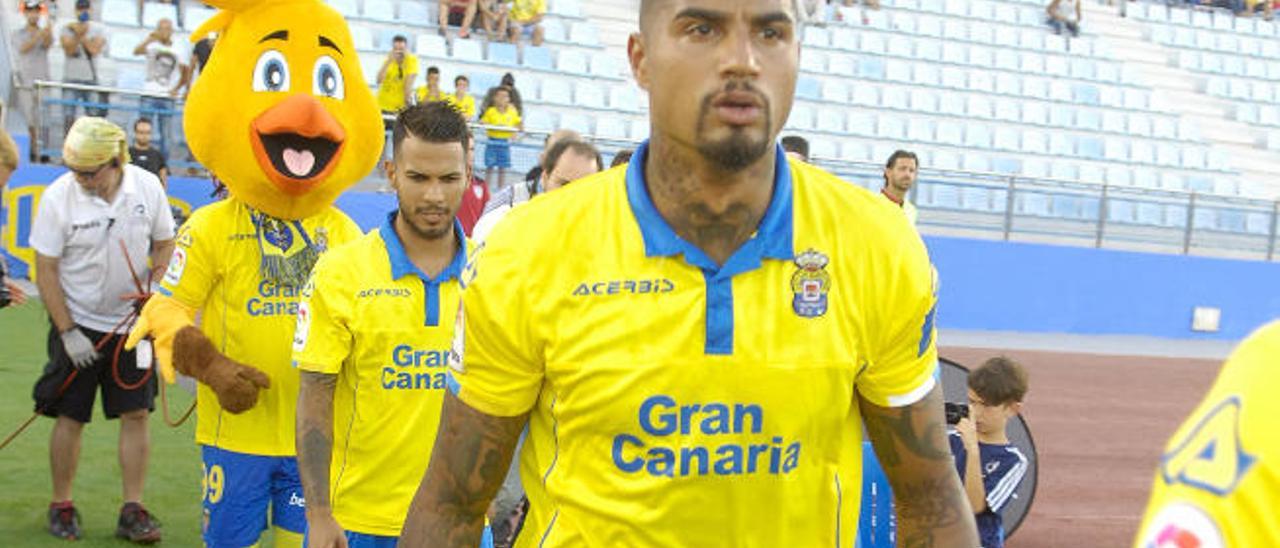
(277, 233)
(810, 283)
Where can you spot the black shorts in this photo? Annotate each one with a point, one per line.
(77, 401)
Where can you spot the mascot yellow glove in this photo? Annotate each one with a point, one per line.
(161, 319)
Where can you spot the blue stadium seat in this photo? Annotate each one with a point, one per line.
(119, 12)
(432, 46)
(808, 88)
(1067, 207)
(572, 61)
(1006, 166)
(556, 91)
(871, 68)
(1085, 94)
(539, 58)
(1088, 119)
(503, 54)
(379, 10)
(1199, 184)
(589, 96)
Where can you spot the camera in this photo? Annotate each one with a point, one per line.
(955, 412)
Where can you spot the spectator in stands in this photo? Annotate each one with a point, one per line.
(508, 81)
(395, 78)
(797, 147)
(8, 164)
(497, 152)
(493, 17)
(1064, 14)
(1267, 7)
(143, 155)
(458, 13)
(534, 175)
(32, 42)
(431, 92)
(461, 98)
(526, 18)
(476, 196)
(990, 467)
(167, 62)
(900, 174)
(567, 161)
(622, 158)
(83, 41)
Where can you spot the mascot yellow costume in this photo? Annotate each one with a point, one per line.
(283, 117)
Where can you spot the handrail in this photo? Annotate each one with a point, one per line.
(102, 89)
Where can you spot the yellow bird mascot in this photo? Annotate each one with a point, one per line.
(283, 117)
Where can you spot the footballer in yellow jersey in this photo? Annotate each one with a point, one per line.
(1218, 484)
(693, 339)
(373, 338)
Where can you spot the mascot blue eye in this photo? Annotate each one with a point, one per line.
(328, 80)
(271, 73)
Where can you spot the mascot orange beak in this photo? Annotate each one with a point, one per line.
(297, 143)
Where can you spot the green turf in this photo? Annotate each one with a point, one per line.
(173, 480)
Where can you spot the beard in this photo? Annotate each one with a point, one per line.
(739, 150)
(423, 230)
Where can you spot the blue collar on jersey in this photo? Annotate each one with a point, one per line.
(773, 238)
(401, 266)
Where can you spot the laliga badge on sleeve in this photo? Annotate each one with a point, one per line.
(143, 354)
(1182, 524)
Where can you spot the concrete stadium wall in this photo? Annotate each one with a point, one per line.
(1035, 288)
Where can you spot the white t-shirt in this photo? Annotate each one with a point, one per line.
(84, 232)
(1066, 10)
(164, 65)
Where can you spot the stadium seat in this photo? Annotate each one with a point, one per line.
(639, 130)
(842, 65)
(852, 151)
(416, 13)
(583, 33)
(1113, 122)
(432, 46)
(954, 78)
(979, 107)
(539, 58)
(891, 127)
(566, 8)
(1090, 147)
(943, 160)
(871, 68)
(871, 43)
(978, 136)
(1009, 86)
(504, 54)
(865, 95)
(950, 133)
(942, 196)
(843, 38)
(815, 37)
(1060, 90)
(862, 123)
(556, 91)
(1257, 223)
(1119, 176)
(954, 30)
(1141, 153)
(610, 127)
(929, 50)
(835, 91)
(194, 16)
(576, 122)
(956, 54)
(1035, 88)
(153, 12)
(468, 50)
(924, 101)
(1008, 111)
(120, 12)
(1088, 119)
(1193, 158)
(348, 8)
(1031, 63)
(605, 65)
(1149, 214)
(1164, 128)
(951, 104)
(825, 149)
(831, 121)
(625, 98)
(813, 60)
(1061, 145)
(801, 117)
(1172, 181)
(589, 96)
(976, 198)
(379, 10)
(981, 57)
(920, 131)
(553, 30)
(1139, 124)
(1035, 142)
(927, 25)
(981, 80)
(1116, 150)
(898, 71)
(572, 61)
(1091, 173)
(1121, 211)
(1135, 99)
(982, 32)
(1066, 207)
(1006, 166)
(1062, 117)
(1167, 155)
(808, 88)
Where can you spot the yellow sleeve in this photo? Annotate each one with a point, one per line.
(193, 270)
(902, 350)
(501, 369)
(410, 65)
(488, 117)
(322, 339)
(343, 229)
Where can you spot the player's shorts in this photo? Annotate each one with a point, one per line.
(497, 153)
(526, 29)
(239, 489)
(361, 540)
(76, 402)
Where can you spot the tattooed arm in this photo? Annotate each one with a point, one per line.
(912, 445)
(315, 449)
(468, 464)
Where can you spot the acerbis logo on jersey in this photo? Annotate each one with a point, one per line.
(810, 283)
(1211, 456)
(1182, 525)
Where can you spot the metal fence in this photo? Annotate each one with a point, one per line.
(961, 203)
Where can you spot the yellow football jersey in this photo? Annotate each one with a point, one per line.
(494, 117)
(1218, 484)
(675, 402)
(372, 318)
(215, 269)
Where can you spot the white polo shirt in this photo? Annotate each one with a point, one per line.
(84, 232)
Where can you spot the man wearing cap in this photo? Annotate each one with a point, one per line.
(83, 41)
(32, 43)
(96, 226)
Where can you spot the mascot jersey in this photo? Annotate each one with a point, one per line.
(216, 268)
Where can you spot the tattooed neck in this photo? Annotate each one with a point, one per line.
(713, 210)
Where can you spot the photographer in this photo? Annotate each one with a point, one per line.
(990, 467)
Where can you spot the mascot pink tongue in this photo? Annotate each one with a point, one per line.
(283, 117)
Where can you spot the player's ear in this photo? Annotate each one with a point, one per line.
(637, 55)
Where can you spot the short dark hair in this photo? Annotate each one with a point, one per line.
(509, 80)
(621, 158)
(435, 122)
(461, 78)
(581, 148)
(399, 38)
(433, 70)
(141, 121)
(503, 89)
(900, 154)
(998, 381)
(796, 144)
